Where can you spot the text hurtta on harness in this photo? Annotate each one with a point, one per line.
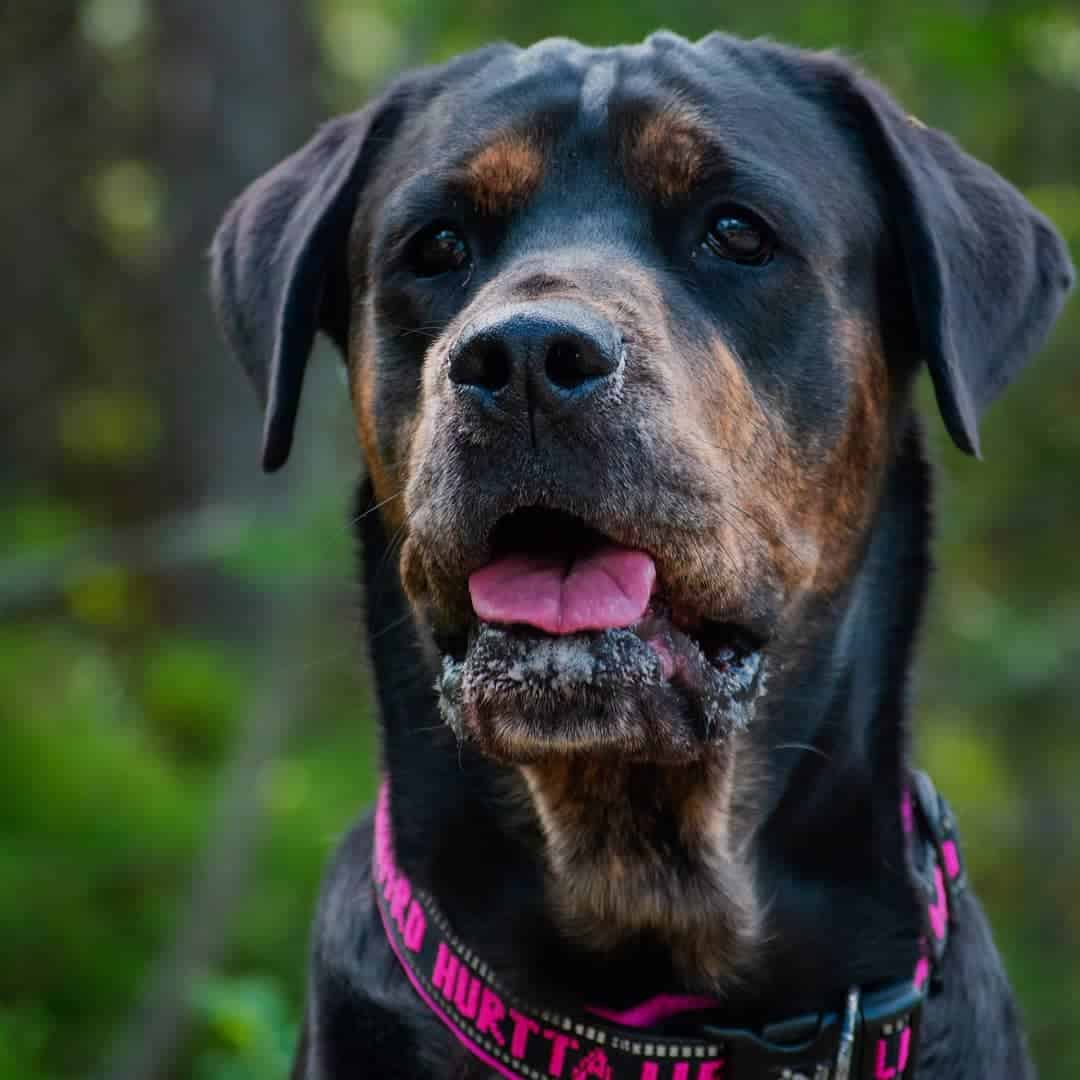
(872, 1035)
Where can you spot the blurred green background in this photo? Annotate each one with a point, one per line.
(185, 717)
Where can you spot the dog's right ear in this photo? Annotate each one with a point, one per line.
(278, 262)
(279, 258)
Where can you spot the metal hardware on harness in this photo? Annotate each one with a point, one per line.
(847, 1036)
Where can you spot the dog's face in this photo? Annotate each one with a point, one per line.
(630, 335)
(618, 348)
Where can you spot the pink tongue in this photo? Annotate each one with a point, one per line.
(607, 589)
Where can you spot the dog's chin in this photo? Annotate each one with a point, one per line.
(648, 693)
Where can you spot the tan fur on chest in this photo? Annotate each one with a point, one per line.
(643, 849)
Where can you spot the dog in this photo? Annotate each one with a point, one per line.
(631, 335)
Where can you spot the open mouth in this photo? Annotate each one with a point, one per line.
(573, 632)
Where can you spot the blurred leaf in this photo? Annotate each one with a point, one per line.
(192, 692)
(361, 42)
(38, 525)
(1053, 46)
(129, 199)
(109, 427)
(249, 1024)
(109, 596)
(110, 24)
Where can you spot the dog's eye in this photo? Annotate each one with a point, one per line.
(734, 235)
(440, 249)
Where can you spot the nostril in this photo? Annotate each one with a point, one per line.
(569, 363)
(484, 363)
(565, 365)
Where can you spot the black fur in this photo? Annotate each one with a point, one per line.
(967, 276)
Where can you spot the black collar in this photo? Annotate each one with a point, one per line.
(871, 1035)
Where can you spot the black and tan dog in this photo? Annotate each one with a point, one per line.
(631, 336)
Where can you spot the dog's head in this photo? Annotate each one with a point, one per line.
(630, 335)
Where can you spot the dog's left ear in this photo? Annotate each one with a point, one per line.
(987, 273)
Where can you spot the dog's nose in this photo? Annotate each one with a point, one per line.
(551, 356)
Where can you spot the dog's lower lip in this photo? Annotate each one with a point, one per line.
(523, 693)
(724, 644)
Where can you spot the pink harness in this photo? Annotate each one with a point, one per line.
(872, 1036)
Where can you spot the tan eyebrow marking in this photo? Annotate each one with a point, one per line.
(665, 152)
(503, 174)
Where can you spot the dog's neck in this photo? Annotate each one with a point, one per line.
(824, 880)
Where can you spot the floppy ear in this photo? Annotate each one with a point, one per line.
(988, 273)
(278, 266)
(279, 259)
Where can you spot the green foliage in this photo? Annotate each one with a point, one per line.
(98, 831)
(250, 1030)
(192, 691)
(134, 658)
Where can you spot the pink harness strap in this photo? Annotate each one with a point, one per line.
(655, 1010)
(521, 1042)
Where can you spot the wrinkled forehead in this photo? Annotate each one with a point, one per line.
(668, 114)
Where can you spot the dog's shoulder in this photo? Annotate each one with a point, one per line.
(360, 1007)
(972, 1026)
(356, 1010)
(347, 918)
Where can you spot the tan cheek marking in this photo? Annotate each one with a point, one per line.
(767, 477)
(740, 424)
(719, 415)
(505, 173)
(744, 459)
(758, 476)
(666, 153)
(858, 463)
(837, 497)
(798, 513)
(388, 487)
